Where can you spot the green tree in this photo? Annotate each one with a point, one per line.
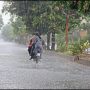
(1, 21)
(19, 28)
(7, 32)
(47, 17)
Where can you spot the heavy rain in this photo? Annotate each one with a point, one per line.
(44, 44)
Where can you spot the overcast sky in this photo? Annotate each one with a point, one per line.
(5, 17)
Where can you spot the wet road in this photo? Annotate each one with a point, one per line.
(52, 72)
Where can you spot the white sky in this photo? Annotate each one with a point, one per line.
(5, 17)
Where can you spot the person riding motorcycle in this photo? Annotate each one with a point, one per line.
(30, 45)
(36, 45)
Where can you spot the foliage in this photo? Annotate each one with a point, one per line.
(41, 15)
(79, 47)
(88, 37)
(19, 29)
(18, 25)
(61, 42)
(15, 30)
(61, 47)
(84, 6)
(86, 26)
(1, 21)
(7, 32)
(47, 16)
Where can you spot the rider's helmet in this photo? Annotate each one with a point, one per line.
(38, 34)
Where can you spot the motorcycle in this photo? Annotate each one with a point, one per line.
(36, 55)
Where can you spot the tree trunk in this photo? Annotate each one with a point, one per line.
(53, 41)
(72, 37)
(48, 41)
(67, 18)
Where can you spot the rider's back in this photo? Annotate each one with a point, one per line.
(38, 41)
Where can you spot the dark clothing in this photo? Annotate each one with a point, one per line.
(32, 51)
(30, 45)
(29, 50)
(36, 47)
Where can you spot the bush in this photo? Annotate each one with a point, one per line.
(89, 38)
(79, 47)
(75, 48)
(62, 47)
